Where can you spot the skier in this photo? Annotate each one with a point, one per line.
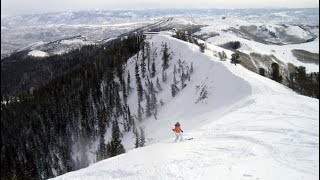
(178, 132)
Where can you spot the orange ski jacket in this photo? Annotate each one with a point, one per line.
(177, 129)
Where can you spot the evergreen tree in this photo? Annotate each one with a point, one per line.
(202, 47)
(174, 79)
(220, 55)
(148, 55)
(148, 106)
(139, 112)
(165, 56)
(161, 102)
(183, 78)
(66, 159)
(262, 71)
(143, 61)
(142, 138)
(31, 166)
(291, 81)
(122, 81)
(174, 75)
(203, 94)
(235, 58)
(137, 138)
(84, 115)
(301, 77)
(174, 90)
(126, 124)
(316, 85)
(130, 118)
(153, 66)
(115, 147)
(148, 85)
(153, 102)
(128, 83)
(164, 76)
(191, 68)
(275, 74)
(102, 150)
(138, 82)
(224, 56)
(153, 69)
(118, 110)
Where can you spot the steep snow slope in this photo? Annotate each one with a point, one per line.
(249, 127)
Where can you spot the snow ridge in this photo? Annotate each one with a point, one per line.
(248, 127)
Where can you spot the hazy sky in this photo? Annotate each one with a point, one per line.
(40, 6)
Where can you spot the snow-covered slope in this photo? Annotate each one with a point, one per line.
(279, 40)
(59, 46)
(282, 52)
(17, 37)
(249, 127)
(37, 53)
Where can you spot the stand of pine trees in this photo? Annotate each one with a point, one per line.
(298, 80)
(304, 83)
(40, 131)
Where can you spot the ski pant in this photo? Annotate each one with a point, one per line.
(178, 135)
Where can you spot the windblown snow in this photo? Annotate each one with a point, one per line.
(248, 127)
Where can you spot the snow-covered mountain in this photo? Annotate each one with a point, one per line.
(266, 25)
(60, 46)
(243, 125)
(264, 43)
(16, 37)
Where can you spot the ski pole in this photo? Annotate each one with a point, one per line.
(169, 125)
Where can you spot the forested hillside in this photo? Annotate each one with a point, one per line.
(39, 131)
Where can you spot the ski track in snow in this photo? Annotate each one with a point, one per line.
(250, 128)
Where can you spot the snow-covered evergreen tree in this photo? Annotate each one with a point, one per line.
(235, 58)
(165, 56)
(143, 61)
(115, 147)
(129, 88)
(138, 83)
(158, 85)
(142, 137)
(148, 105)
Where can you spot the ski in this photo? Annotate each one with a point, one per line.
(187, 139)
